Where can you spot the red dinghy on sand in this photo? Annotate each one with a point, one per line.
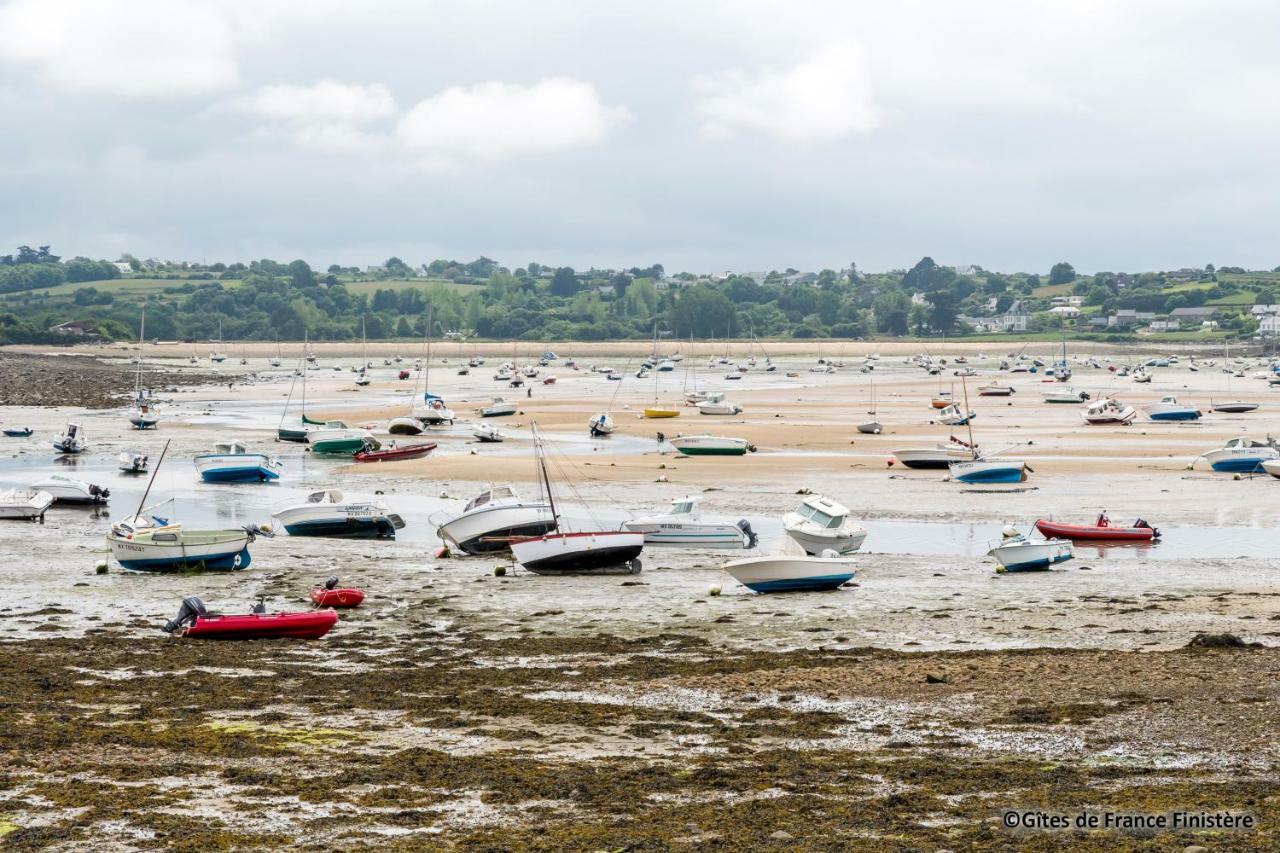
(394, 454)
(332, 595)
(1101, 531)
(193, 620)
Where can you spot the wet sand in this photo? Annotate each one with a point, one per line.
(461, 709)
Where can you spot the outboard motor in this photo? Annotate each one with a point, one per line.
(745, 527)
(99, 493)
(332, 582)
(260, 607)
(191, 608)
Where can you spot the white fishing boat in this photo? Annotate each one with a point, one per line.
(711, 445)
(1017, 553)
(565, 552)
(493, 518)
(1141, 376)
(434, 412)
(498, 408)
(683, 525)
(26, 504)
(1240, 455)
(1108, 410)
(1069, 396)
(487, 433)
(784, 573)
(716, 404)
(952, 415)
(939, 456)
(1169, 409)
(71, 441)
(231, 462)
(327, 514)
(69, 490)
(132, 461)
(820, 524)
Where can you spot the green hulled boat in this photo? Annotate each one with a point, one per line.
(336, 438)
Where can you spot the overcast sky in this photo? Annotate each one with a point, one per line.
(703, 135)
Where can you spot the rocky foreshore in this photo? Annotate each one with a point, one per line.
(76, 380)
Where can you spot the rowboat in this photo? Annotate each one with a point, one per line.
(1139, 532)
(791, 574)
(194, 621)
(711, 445)
(1017, 553)
(684, 526)
(395, 454)
(656, 411)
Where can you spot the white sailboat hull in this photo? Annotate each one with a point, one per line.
(580, 553)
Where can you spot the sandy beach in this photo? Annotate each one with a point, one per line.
(460, 709)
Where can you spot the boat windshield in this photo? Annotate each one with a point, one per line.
(682, 508)
(820, 518)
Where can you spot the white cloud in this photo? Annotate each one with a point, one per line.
(324, 102)
(124, 47)
(496, 121)
(824, 97)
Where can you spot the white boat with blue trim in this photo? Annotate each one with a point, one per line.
(326, 513)
(820, 524)
(231, 462)
(493, 518)
(1241, 455)
(684, 526)
(1169, 409)
(783, 573)
(1017, 553)
(152, 545)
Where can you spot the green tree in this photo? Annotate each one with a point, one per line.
(1061, 273)
(701, 311)
(564, 282)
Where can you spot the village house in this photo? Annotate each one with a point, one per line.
(1015, 319)
(1194, 315)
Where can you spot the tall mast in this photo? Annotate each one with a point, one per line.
(154, 471)
(304, 373)
(426, 370)
(968, 421)
(541, 455)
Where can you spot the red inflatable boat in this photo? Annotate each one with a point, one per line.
(262, 626)
(346, 597)
(1140, 532)
(395, 454)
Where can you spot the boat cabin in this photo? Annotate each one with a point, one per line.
(823, 512)
(490, 495)
(687, 506)
(328, 496)
(335, 425)
(1245, 442)
(230, 448)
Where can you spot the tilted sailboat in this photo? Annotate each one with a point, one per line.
(297, 433)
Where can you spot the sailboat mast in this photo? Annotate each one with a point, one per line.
(304, 372)
(154, 471)
(540, 454)
(968, 421)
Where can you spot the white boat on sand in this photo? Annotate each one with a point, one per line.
(132, 461)
(939, 456)
(783, 573)
(326, 513)
(820, 524)
(1017, 553)
(493, 518)
(1108, 410)
(684, 526)
(69, 490)
(487, 433)
(26, 504)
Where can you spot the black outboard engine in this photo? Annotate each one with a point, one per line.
(745, 527)
(191, 608)
(332, 582)
(260, 607)
(98, 493)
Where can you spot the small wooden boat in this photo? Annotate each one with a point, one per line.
(395, 454)
(332, 595)
(193, 620)
(24, 432)
(1139, 532)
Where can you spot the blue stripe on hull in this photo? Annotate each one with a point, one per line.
(1032, 565)
(1001, 475)
(818, 582)
(1239, 466)
(341, 528)
(1176, 416)
(255, 474)
(215, 563)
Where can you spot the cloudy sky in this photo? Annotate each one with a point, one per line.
(703, 135)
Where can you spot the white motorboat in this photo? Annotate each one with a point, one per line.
(493, 518)
(27, 504)
(132, 461)
(820, 524)
(1169, 409)
(498, 408)
(1141, 376)
(231, 462)
(711, 445)
(791, 574)
(487, 433)
(939, 456)
(952, 415)
(684, 526)
(71, 441)
(1069, 396)
(1017, 553)
(1232, 407)
(995, 390)
(989, 470)
(1241, 455)
(327, 514)
(69, 490)
(716, 404)
(591, 551)
(1108, 410)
